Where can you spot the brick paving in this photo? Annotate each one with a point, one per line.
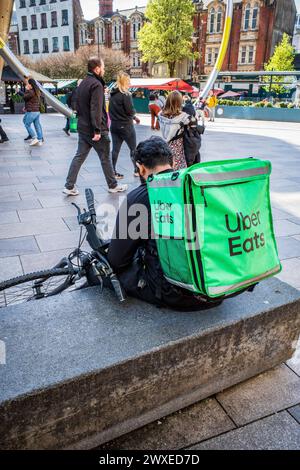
(38, 226)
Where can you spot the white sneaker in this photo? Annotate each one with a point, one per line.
(71, 192)
(40, 143)
(121, 188)
(34, 142)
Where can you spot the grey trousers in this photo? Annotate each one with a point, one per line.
(85, 143)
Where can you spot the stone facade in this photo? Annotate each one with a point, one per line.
(47, 26)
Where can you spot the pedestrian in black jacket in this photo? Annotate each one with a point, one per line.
(92, 129)
(122, 115)
(72, 103)
(3, 135)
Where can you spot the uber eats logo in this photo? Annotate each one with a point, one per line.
(166, 207)
(249, 238)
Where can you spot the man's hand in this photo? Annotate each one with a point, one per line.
(96, 138)
(137, 120)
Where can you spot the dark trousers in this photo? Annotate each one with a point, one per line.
(120, 134)
(102, 147)
(3, 134)
(67, 126)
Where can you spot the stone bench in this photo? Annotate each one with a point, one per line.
(82, 369)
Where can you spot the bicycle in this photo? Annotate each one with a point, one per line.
(77, 271)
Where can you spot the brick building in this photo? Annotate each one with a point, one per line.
(257, 27)
(117, 30)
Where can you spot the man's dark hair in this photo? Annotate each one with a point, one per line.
(93, 63)
(153, 152)
(152, 97)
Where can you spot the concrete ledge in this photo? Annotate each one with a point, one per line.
(82, 370)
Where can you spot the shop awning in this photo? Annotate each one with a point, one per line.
(168, 84)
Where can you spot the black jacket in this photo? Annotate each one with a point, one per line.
(121, 110)
(72, 99)
(91, 107)
(136, 260)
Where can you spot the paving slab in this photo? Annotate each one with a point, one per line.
(40, 261)
(291, 272)
(261, 396)
(35, 226)
(191, 425)
(10, 267)
(142, 362)
(18, 246)
(17, 204)
(277, 432)
(295, 412)
(294, 362)
(285, 228)
(56, 241)
(9, 217)
(288, 247)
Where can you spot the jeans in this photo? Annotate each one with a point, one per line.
(119, 135)
(102, 147)
(33, 118)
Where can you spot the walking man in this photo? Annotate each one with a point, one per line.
(92, 129)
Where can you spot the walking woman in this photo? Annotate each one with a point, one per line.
(171, 120)
(32, 98)
(122, 115)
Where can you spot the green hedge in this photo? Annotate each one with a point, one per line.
(260, 104)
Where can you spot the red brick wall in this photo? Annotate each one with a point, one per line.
(264, 43)
(232, 55)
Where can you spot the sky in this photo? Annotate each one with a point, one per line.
(91, 9)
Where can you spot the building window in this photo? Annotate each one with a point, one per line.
(53, 19)
(35, 46)
(117, 30)
(32, 3)
(219, 20)
(64, 18)
(81, 37)
(243, 54)
(247, 17)
(66, 43)
(45, 45)
(26, 46)
(24, 23)
(251, 55)
(212, 21)
(136, 26)
(43, 20)
(100, 33)
(23, 5)
(33, 22)
(209, 56)
(55, 44)
(42, 2)
(254, 16)
(136, 60)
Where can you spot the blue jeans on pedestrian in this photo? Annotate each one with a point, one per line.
(33, 118)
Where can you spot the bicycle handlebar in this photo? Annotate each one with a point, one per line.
(90, 202)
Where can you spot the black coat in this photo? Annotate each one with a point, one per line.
(91, 107)
(121, 109)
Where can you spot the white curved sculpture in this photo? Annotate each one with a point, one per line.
(223, 49)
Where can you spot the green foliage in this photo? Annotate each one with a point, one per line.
(167, 36)
(234, 103)
(282, 60)
(17, 98)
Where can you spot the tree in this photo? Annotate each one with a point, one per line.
(167, 35)
(282, 60)
(74, 65)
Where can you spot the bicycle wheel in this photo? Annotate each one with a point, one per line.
(35, 286)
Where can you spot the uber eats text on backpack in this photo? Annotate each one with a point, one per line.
(244, 225)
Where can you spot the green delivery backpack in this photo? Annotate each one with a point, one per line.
(213, 226)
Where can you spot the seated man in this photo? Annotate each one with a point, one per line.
(133, 256)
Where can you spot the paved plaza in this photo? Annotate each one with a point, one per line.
(38, 226)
